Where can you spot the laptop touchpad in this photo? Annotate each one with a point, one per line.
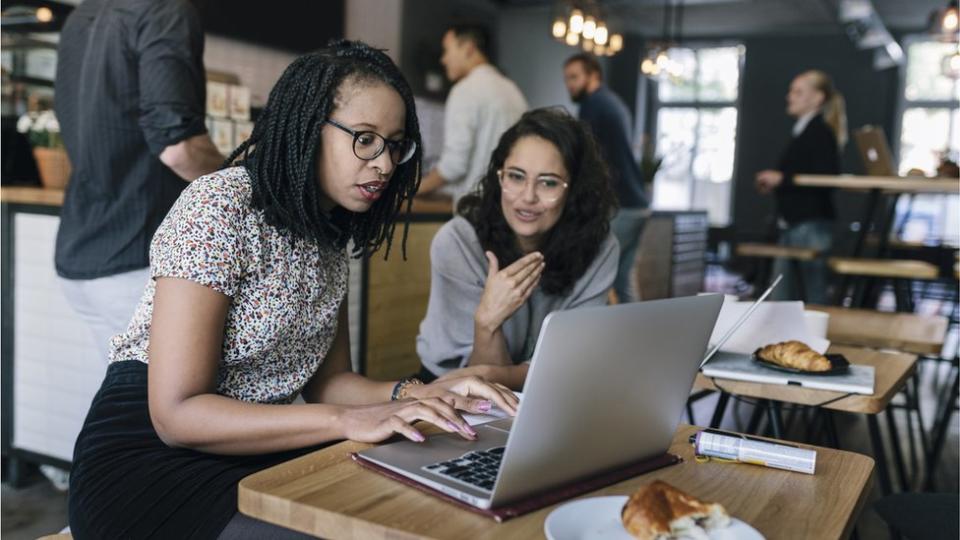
(504, 424)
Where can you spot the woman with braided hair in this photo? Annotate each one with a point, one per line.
(245, 311)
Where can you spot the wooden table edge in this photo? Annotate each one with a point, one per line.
(250, 501)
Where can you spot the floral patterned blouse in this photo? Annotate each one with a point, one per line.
(285, 295)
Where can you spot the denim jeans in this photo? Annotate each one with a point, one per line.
(627, 227)
(816, 234)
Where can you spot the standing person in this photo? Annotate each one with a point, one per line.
(482, 104)
(246, 310)
(533, 239)
(609, 119)
(130, 98)
(806, 214)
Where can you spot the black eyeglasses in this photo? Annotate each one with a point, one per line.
(368, 145)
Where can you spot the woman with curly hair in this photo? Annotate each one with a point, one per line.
(534, 238)
(246, 311)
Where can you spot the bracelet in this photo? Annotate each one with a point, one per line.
(403, 385)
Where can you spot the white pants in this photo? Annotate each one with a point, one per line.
(106, 304)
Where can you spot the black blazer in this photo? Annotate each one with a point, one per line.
(814, 151)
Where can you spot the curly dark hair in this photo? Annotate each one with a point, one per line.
(574, 242)
(281, 153)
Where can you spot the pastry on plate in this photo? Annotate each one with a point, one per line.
(795, 354)
(659, 511)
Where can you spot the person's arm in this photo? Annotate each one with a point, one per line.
(459, 135)
(185, 346)
(431, 183)
(172, 86)
(192, 158)
(505, 291)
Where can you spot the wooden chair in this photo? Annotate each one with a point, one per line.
(768, 252)
(901, 273)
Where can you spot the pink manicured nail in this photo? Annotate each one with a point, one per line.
(418, 437)
(484, 406)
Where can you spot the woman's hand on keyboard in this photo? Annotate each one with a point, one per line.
(469, 393)
(375, 423)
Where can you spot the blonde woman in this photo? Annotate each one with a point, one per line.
(806, 214)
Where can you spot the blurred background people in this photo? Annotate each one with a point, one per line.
(609, 119)
(130, 100)
(805, 215)
(482, 104)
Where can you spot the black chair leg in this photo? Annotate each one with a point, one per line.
(940, 427)
(879, 454)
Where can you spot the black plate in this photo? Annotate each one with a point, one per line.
(839, 363)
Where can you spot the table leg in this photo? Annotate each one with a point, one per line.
(721, 408)
(756, 416)
(833, 438)
(798, 279)
(879, 454)
(776, 424)
(905, 483)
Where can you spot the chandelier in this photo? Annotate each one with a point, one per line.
(658, 63)
(580, 24)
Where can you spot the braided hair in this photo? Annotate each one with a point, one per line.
(281, 154)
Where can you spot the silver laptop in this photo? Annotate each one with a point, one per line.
(606, 388)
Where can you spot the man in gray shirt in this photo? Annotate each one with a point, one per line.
(482, 104)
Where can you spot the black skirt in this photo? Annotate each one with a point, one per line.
(126, 483)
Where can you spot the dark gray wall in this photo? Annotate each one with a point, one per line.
(424, 23)
(770, 65)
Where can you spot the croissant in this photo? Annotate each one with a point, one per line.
(659, 511)
(795, 354)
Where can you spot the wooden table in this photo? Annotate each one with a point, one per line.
(888, 184)
(907, 332)
(884, 189)
(31, 195)
(893, 369)
(324, 493)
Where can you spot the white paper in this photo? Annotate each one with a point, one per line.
(772, 322)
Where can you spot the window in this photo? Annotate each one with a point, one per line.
(696, 127)
(929, 130)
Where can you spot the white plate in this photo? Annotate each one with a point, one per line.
(599, 518)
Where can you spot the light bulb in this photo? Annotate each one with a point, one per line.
(572, 39)
(601, 35)
(951, 20)
(588, 45)
(662, 59)
(589, 28)
(559, 28)
(647, 66)
(576, 22)
(599, 50)
(616, 42)
(44, 14)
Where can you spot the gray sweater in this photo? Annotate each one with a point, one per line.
(457, 276)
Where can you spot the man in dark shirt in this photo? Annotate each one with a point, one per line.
(609, 119)
(130, 98)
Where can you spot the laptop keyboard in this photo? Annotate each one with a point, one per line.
(476, 468)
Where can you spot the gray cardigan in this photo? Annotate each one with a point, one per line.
(457, 276)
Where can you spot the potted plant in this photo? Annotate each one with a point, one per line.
(43, 131)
